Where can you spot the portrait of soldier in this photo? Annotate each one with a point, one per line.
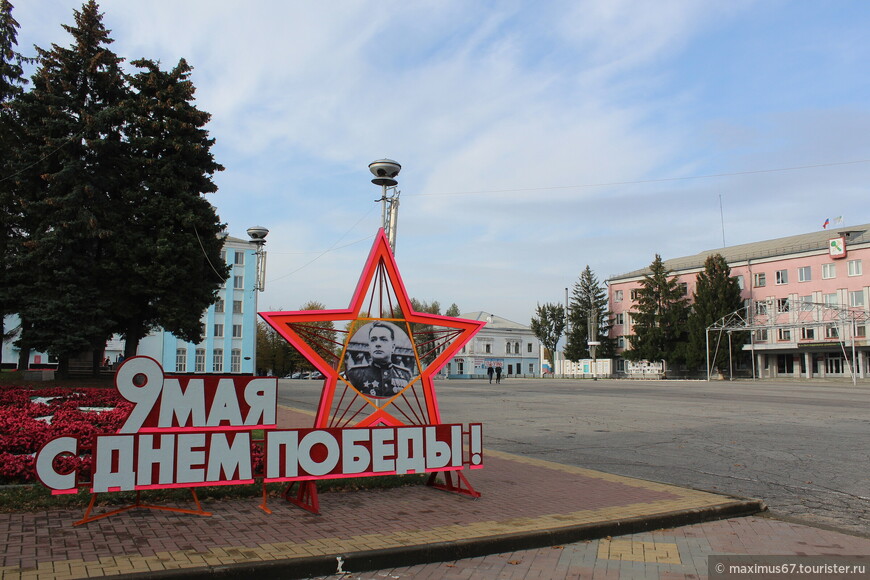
(379, 376)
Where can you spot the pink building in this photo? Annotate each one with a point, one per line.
(806, 300)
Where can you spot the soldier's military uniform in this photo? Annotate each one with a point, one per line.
(379, 381)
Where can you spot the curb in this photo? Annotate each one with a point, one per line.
(301, 568)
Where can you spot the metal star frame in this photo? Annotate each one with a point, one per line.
(354, 389)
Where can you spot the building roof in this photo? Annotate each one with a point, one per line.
(494, 322)
(811, 242)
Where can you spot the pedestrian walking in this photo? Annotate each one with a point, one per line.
(497, 375)
(489, 371)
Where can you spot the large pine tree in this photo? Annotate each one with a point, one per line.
(660, 318)
(168, 251)
(717, 294)
(588, 300)
(117, 235)
(74, 160)
(12, 83)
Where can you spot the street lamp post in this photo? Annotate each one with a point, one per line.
(258, 238)
(592, 335)
(385, 172)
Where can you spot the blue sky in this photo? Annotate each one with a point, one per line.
(534, 138)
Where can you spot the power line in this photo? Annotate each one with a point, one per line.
(329, 249)
(642, 181)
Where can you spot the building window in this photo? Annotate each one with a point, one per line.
(807, 303)
(832, 331)
(635, 294)
(531, 368)
(759, 280)
(760, 307)
(808, 333)
(219, 305)
(782, 305)
(181, 360)
(781, 277)
(200, 361)
(784, 334)
(617, 295)
(516, 348)
(856, 298)
(239, 258)
(861, 330)
(239, 282)
(529, 347)
(831, 299)
(855, 268)
(805, 274)
(218, 361)
(620, 342)
(237, 331)
(829, 271)
(236, 360)
(761, 334)
(237, 306)
(740, 283)
(487, 348)
(218, 330)
(223, 256)
(620, 318)
(684, 288)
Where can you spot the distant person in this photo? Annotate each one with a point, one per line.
(380, 378)
(497, 375)
(490, 371)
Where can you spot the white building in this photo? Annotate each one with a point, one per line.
(501, 343)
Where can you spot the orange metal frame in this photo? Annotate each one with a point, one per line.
(89, 518)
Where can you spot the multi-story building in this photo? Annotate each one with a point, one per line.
(806, 301)
(501, 343)
(229, 328)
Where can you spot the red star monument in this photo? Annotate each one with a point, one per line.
(378, 357)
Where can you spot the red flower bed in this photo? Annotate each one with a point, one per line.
(24, 428)
(22, 433)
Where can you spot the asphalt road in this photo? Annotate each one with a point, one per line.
(802, 447)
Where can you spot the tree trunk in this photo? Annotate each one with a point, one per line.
(24, 359)
(131, 347)
(132, 338)
(63, 366)
(96, 361)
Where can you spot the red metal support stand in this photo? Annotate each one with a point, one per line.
(306, 496)
(462, 486)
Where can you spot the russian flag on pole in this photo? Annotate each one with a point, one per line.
(825, 225)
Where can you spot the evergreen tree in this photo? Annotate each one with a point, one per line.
(116, 234)
(717, 294)
(660, 319)
(12, 84)
(453, 311)
(547, 325)
(74, 155)
(169, 250)
(588, 299)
